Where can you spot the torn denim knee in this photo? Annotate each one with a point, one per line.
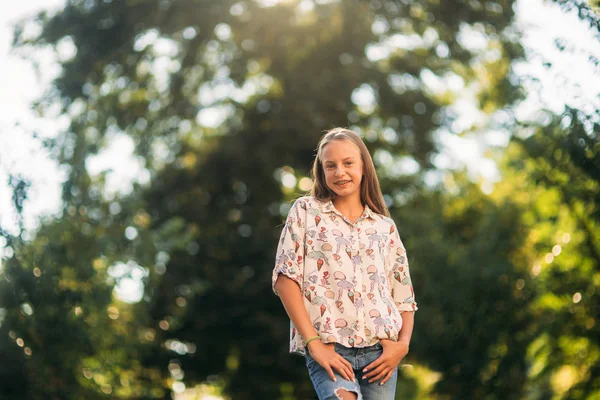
(339, 395)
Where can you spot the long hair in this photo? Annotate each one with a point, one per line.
(370, 191)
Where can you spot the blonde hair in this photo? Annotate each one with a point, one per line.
(370, 190)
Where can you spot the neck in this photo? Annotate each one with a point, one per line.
(348, 206)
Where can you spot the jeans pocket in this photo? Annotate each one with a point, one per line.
(309, 361)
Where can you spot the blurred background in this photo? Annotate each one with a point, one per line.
(149, 151)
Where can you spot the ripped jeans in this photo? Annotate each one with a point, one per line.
(359, 358)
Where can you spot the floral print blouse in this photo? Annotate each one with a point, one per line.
(353, 277)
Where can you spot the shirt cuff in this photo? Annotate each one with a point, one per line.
(284, 269)
(407, 307)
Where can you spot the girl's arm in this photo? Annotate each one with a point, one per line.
(408, 321)
(325, 355)
(290, 296)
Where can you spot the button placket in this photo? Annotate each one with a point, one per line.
(359, 324)
(358, 276)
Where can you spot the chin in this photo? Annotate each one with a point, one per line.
(344, 193)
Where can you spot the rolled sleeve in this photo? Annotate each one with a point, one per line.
(289, 259)
(401, 285)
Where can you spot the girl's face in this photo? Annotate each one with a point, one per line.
(343, 168)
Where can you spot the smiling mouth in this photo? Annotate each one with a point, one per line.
(342, 182)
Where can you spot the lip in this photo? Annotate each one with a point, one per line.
(342, 183)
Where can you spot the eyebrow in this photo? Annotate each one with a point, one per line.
(330, 161)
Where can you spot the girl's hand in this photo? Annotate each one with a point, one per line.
(383, 368)
(326, 357)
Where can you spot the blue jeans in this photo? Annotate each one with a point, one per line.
(358, 358)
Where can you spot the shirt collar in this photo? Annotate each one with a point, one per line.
(329, 207)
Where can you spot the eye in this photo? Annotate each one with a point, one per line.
(349, 163)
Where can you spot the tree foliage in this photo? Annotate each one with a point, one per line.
(224, 103)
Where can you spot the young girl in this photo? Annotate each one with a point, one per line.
(342, 275)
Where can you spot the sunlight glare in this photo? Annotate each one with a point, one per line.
(270, 3)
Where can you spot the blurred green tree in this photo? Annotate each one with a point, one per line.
(558, 168)
(224, 102)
